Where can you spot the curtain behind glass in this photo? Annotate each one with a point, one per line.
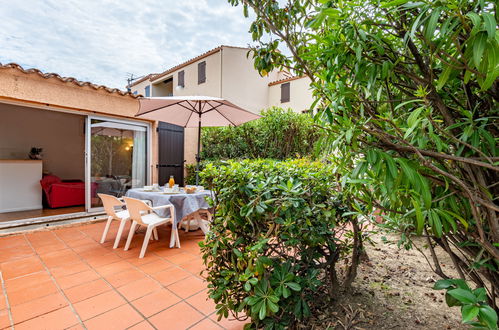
(139, 159)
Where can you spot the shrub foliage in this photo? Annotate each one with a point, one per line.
(280, 232)
(408, 91)
(279, 134)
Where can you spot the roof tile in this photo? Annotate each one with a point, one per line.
(79, 83)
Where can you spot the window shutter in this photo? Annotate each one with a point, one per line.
(201, 72)
(181, 82)
(285, 93)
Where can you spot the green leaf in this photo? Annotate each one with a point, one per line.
(490, 25)
(493, 62)
(460, 283)
(442, 284)
(273, 307)
(394, 3)
(436, 224)
(424, 188)
(411, 120)
(348, 135)
(253, 281)
(409, 172)
(489, 316)
(460, 218)
(247, 286)
(263, 311)
(253, 300)
(475, 18)
(480, 293)
(237, 253)
(286, 292)
(384, 70)
(294, 286)
(390, 164)
(469, 312)
(463, 296)
(444, 77)
(419, 217)
(451, 301)
(407, 102)
(432, 24)
(478, 48)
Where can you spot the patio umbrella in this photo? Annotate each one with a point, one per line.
(194, 111)
(112, 129)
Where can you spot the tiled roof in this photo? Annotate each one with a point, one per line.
(283, 80)
(65, 79)
(179, 66)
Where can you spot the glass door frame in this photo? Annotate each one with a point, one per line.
(88, 154)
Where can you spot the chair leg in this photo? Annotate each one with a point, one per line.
(202, 224)
(155, 232)
(130, 235)
(106, 229)
(173, 237)
(120, 232)
(146, 241)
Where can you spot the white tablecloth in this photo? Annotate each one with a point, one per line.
(184, 204)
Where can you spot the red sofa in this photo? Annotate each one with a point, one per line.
(59, 193)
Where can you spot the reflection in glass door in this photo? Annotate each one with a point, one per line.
(118, 158)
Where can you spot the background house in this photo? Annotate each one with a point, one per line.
(226, 72)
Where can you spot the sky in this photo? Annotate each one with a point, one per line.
(103, 41)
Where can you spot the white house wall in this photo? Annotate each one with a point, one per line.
(241, 83)
(300, 95)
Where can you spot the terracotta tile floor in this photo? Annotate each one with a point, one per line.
(66, 279)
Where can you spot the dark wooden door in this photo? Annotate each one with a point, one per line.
(171, 153)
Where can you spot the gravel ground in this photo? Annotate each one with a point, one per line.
(393, 290)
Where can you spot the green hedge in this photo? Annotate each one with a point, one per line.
(276, 238)
(279, 134)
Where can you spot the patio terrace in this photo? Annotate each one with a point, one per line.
(65, 279)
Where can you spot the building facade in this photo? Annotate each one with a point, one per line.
(226, 72)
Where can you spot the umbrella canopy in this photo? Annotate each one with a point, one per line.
(194, 111)
(114, 129)
(186, 111)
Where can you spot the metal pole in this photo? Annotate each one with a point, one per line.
(198, 157)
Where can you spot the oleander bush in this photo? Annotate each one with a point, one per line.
(281, 231)
(279, 134)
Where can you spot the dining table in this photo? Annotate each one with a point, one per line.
(184, 203)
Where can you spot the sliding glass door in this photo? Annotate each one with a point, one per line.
(117, 154)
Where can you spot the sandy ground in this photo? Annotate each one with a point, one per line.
(393, 290)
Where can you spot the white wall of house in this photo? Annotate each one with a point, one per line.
(61, 135)
(162, 88)
(140, 87)
(241, 83)
(300, 96)
(211, 87)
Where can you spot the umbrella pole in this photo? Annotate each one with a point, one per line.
(198, 158)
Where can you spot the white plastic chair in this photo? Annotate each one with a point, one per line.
(110, 203)
(143, 215)
(197, 216)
